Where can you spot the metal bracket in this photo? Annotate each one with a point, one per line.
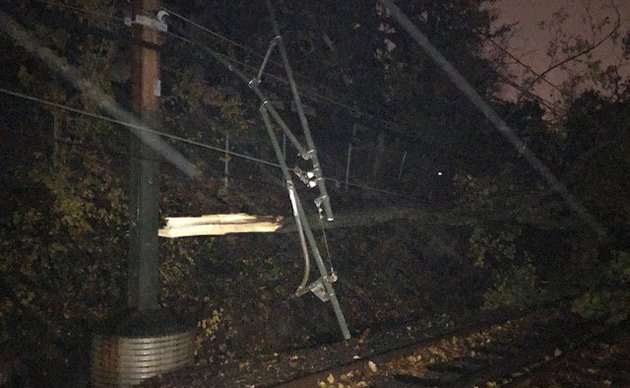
(307, 177)
(317, 287)
(272, 44)
(157, 24)
(157, 88)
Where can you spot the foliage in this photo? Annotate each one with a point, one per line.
(596, 160)
(63, 254)
(515, 280)
(574, 52)
(214, 331)
(64, 247)
(355, 54)
(178, 269)
(191, 95)
(502, 182)
(608, 292)
(74, 267)
(498, 196)
(492, 249)
(518, 285)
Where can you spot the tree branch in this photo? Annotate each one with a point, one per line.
(579, 54)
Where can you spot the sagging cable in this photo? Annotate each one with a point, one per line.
(298, 223)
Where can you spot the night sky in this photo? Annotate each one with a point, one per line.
(530, 39)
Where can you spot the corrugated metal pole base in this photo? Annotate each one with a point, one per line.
(140, 346)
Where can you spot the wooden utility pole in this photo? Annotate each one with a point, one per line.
(143, 269)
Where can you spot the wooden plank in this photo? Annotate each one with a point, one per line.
(219, 225)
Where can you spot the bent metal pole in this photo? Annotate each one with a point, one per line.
(268, 110)
(311, 152)
(301, 219)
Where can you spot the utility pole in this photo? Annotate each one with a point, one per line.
(143, 269)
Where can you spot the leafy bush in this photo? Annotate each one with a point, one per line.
(515, 282)
(515, 286)
(607, 291)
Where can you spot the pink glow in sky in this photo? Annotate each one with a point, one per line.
(530, 40)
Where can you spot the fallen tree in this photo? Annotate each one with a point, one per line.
(427, 216)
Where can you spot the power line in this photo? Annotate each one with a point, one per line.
(70, 74)
(306, 90)
(120, 163)
(217, 35)
(314, 96)
(174, 137)
(135, 126)
(243, 76)
(227, 61)
(249, 50)
(81, 10)
(179, 138)
(308, 93)
(243, 64)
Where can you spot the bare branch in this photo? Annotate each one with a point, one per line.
(579, 54)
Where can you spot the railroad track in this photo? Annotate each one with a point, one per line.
(487, 350)
(508, 353)
(601, 359)
(493, 356)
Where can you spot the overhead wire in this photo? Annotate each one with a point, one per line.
(25, 39)
(135, 126)
(244, 77)
(225, 57)
(306, 92)
(121, 164)
(200, 144)
(317, 96)
(241, 75)
(355, 111)
(181, 139)
(306, 88)
(81, 10)
(314, 96)
(173, 137)
(216, 34)
(228, 62)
